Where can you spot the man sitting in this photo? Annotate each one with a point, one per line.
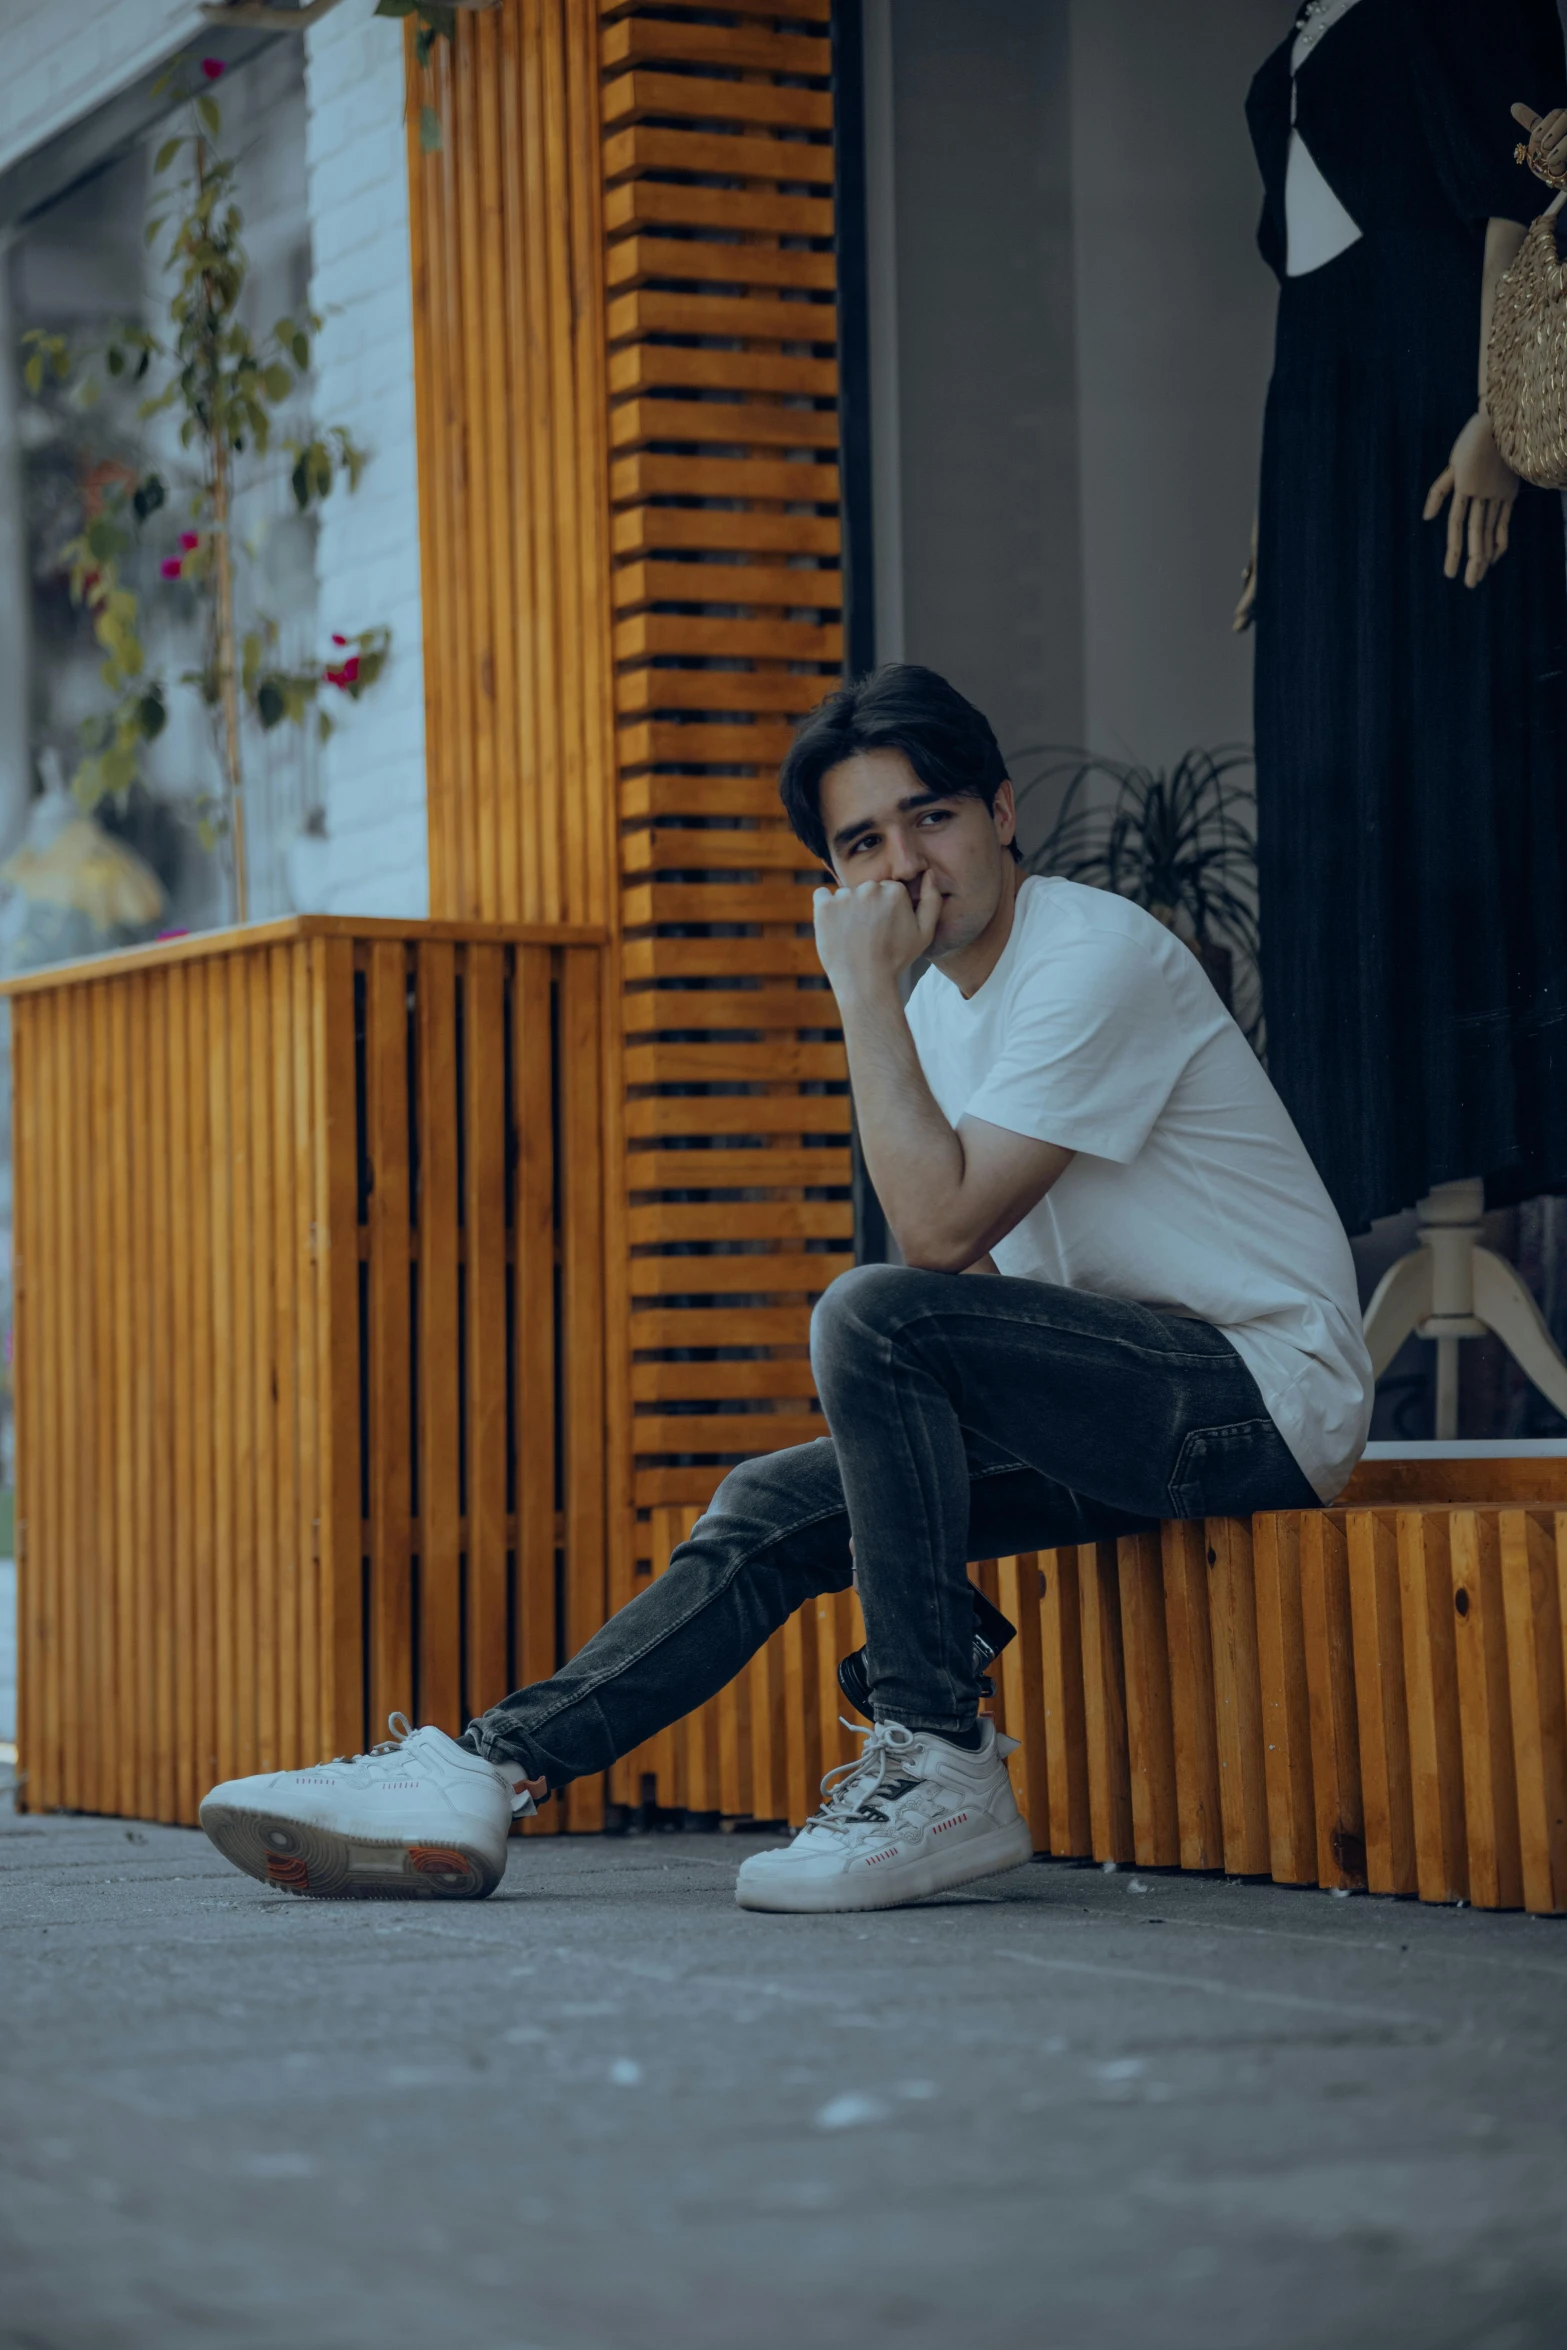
(1125, 1296)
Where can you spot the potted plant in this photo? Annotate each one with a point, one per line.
(1180, 841)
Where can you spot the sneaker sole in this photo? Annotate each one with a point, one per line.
(1007, 1848)
(296, 1856)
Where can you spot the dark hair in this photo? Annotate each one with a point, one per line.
(949, 744)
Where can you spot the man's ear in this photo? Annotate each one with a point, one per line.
(1004, 812)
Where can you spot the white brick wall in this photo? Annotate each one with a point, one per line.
(56, 62)
(368, 554)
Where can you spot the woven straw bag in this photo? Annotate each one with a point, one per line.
(1526, 361)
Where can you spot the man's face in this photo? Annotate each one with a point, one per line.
(882, 824)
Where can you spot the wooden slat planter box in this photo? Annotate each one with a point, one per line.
(309, 1347)
(1363, 1699)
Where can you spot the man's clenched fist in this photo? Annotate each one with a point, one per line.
(868, 935)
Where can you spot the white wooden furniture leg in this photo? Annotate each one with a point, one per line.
(1450, 1288)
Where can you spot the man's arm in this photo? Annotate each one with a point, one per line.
(948, 1193)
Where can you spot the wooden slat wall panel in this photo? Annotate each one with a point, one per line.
(625, 337)
(259, 1273)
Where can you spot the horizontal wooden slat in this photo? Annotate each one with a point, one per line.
(650, 147)
(203, 945)
(641, 367)
(778, 1063)
(762, 1219)
(680, 261)
(643, 530)
(648, 581)
(647, 310)
(663, 1116)
(646, 40)
(642, 204)
(698, 852)
(756, 1276)
(629, 97)
(649, 902)
(643, 635)
(719, 958)
(656, 1326)
(643, 1014)
(724, 1432)
(733, 423)
(664, 745)
(695, 795)
(654, 1487)
(649, 473)
(718, 1382)
(812, 12)
(668, 692)
(727, 1170)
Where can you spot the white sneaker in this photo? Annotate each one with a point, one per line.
(417, 1818)
(912, 1816)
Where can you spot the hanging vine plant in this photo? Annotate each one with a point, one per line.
(225, 385)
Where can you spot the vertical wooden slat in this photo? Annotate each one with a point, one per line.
(1104, 1702)
(582, 1184)
(236, 1276)
(1382, 1714)
(1531, 1604)
(185, 1402)
(1190, 1640)
(1436, 1761)
(1484, 1712)
(313, 1730)
(389, 1309)
(439, 1677)
(260, 1274)
(1237, 1698)
(1150, 1729)
(1066, 1744)
(1330, 1683)
(284, 1352)
(163, 1343)
(1286, 1703)
(484, 1247)
(209, 1182)
(337, 1342)
(1021, 1676)
(534, 1315)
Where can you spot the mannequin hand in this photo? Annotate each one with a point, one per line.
(867, 935)
(1482, 489)
(1246, 609)
(1547, 138)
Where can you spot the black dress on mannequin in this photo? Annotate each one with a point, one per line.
(1411, 733)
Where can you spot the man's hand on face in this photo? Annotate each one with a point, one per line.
(867, 936)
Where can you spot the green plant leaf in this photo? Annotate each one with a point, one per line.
(166, 154)
(277, 381)
(394, 7)
(207, 114)
(33, 373)
(271, 708)
(114, 359)
(300, 346)
(153, 715)
(429, 131)
(148, 496)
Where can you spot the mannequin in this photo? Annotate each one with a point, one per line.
(1411, 686)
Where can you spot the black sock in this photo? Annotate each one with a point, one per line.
(970, 1739)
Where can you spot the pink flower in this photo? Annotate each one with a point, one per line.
(342, 674)
(189, 540)
(171, 566)
(338, 640)
(214, 68)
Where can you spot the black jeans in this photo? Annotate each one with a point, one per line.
(972, 1417)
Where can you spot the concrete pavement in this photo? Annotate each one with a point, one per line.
(608, 2111)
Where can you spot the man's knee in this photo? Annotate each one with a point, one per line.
(862, 1313)
(777, 1490)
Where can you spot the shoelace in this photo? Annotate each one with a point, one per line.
(851, 1789)
(402, 1730)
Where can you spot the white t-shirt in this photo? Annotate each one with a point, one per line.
(1191, 1191)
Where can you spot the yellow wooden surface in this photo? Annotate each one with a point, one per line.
(274, 1477)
